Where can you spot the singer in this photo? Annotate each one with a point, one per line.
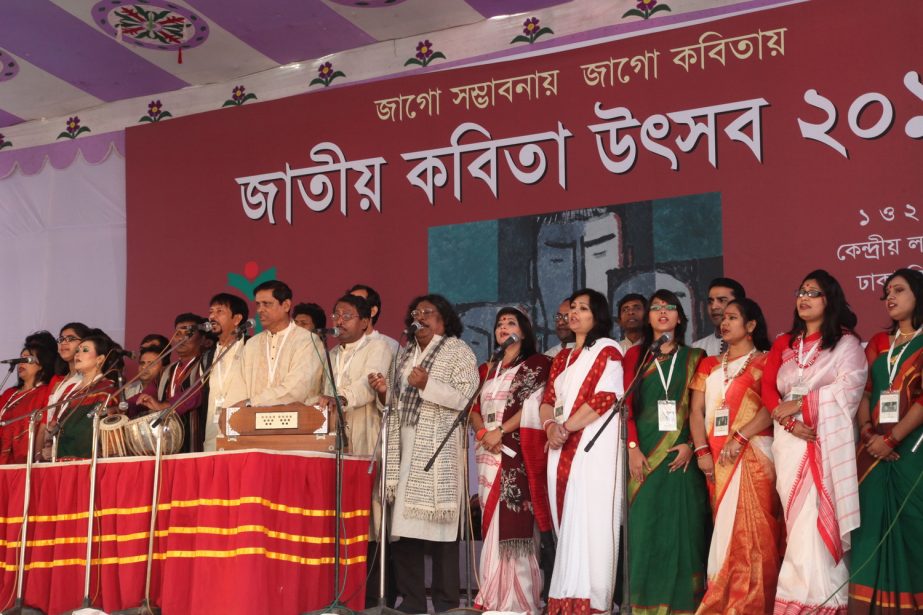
(510, 578)
(282, 363)
(668, 499)
(813, 382)
(437, 375)
(96, 361)
(226, 312)
(732, 431)
(31, 392)
(892, 582)
(584, 488)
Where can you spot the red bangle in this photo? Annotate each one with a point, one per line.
(703, 450)
(740, 438)
(790, 425)
(890, 440)
(480, 434)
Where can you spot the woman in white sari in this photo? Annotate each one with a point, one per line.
(584, 488)
(813, 382)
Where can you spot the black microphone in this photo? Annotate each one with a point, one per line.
(334, 331)
(128, 354)
(19, 360)
(412, 329)
(660, 341)
(246, 325)
(512, 339)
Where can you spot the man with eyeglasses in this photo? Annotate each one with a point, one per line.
(355, 356)
(721, 291)
(282, 364)
(181, 376)
(374, 300)
(562, 330)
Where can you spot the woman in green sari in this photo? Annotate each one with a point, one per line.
(890, 579)
(669, 517)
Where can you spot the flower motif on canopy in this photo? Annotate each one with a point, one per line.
(531, 31)
(326, 74)
(4, 142)
(153, 24)
(239, 96)
(9, 68)
(73, 129)
(425, 54)
(155, 112)
(646, 8)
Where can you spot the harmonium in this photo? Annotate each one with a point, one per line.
(291, 427)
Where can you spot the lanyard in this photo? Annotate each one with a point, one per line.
(338, 377)
(272, 361)
(805, 362)
(666, 382)
(181, 370)
(728, 379)
(218, 369)
(892, 367)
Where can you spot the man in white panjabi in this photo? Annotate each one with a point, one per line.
(226, 312)
(374, 300)
(283, 363)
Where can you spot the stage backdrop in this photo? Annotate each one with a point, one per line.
(761, 146)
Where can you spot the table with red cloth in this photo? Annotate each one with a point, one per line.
(237, 532)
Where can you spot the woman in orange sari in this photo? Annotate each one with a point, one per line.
(732, 431)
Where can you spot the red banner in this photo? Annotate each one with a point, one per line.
(803, 122)
(249, 532)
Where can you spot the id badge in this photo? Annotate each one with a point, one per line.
(722, 420)
(490, 421)
(559, 413)
(798, 391)
(889, 407)
(666, 415)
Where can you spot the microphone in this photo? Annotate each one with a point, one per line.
(334, 331)
(128, 354)
(660, 341)
(206, 327)
(246, 325)
(412, 329)
(512, 339)
(19, 360)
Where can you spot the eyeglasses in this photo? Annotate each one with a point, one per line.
(68, 339)
(419, 313)
(813, 294)
(669, 307)
(344, 316)
(560, 317)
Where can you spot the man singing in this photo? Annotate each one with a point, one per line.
(282, 363)
(226, 312)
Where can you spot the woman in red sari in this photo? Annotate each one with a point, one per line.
(732, 431)
(30, 393)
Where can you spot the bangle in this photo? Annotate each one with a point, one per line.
(501, 429)
(703, 450)
(546, 423)
(480, 434)
(789, 426)
(740, 438)
(890, 440)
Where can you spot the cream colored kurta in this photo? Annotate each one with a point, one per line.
(219, 383)
(278, 369)
(352, 364)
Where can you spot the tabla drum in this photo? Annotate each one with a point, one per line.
(112, 436)
(140, 435)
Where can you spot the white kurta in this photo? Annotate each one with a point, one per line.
(219, 383)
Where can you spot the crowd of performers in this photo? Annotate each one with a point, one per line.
(764, 476)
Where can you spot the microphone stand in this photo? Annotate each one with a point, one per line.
(7, 377)
(18, 607)
(336, 606)
(621, 410)
(146, 608)
(95, 412)
(382, 444)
